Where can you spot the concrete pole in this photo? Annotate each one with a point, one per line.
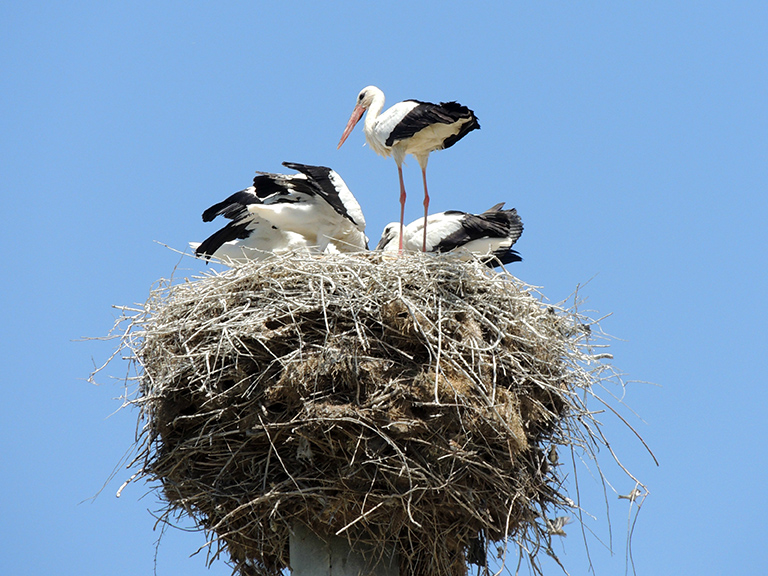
(313, 556)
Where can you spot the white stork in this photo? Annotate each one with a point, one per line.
(489, 235)
(313, 209)
(409, 127)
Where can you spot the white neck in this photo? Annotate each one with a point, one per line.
(377, 105)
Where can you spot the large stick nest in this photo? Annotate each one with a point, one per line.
(410, 403)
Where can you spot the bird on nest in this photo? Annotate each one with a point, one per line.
(488, 236)
(312, 210)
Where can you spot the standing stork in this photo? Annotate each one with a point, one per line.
(410, 127)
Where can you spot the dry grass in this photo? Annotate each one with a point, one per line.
(410, 402)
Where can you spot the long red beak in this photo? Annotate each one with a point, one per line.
(357, 113)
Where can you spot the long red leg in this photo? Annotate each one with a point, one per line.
(426, 208)
(402, 207)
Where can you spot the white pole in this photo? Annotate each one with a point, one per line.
(332, 556)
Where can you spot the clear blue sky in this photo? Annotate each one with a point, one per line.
(631, 137)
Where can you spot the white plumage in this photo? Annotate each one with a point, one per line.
(313, 210)
(490, 234)
(409, 127)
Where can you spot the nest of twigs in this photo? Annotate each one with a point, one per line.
(410, 403)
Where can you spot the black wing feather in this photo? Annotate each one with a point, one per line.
(493, 223)
(505, 257)
(273, 187)
(277, 188)
(497, 224)
(232, 231)
(508, 220)
(427, 113)
(233, 207)
(320, 176)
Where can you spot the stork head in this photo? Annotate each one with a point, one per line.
(364, 101)
(366, 96)
(389, 237)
